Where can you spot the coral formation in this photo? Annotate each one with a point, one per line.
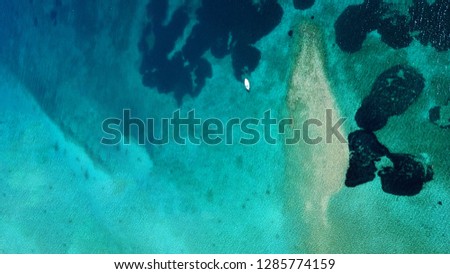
(430, 24)
(224, 27)
(392, 93)
(440, 116)
(303, 4)
(355, 22)
(407, 175)
(365, 150)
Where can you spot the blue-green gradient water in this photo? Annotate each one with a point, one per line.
(67, 66)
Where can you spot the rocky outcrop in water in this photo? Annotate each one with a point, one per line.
(432, 23)
(365, 150)
(394, 31)
(224, 27)
(353, 25)
(303, 4)
(392, 93)
(428, 23)
(440, 116)
(407, 175)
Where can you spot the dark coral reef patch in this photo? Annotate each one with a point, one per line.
(440, 115)
(407, 175)
(394, 31)
(365, 150)
(432, 23)
(392, 93)
(401, 174)
(223, 26)
(353, 25)
(429, 24)
(303, 4)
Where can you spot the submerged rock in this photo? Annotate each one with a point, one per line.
(407, 175)
(419, 15)
(365, 150)
(439, 29)
(303, 4)
(394, 31)
(224, 27)
(404, 175)
(432, 22)
(440, 116)
(245, 59)
(202, 71)
(392, 93)
(353, 25)
(224, 24)
(428, 23)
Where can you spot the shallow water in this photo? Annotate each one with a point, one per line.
(66, 66)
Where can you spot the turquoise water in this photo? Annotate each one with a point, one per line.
(66, 66)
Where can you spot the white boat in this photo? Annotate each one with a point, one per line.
(247, 84)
